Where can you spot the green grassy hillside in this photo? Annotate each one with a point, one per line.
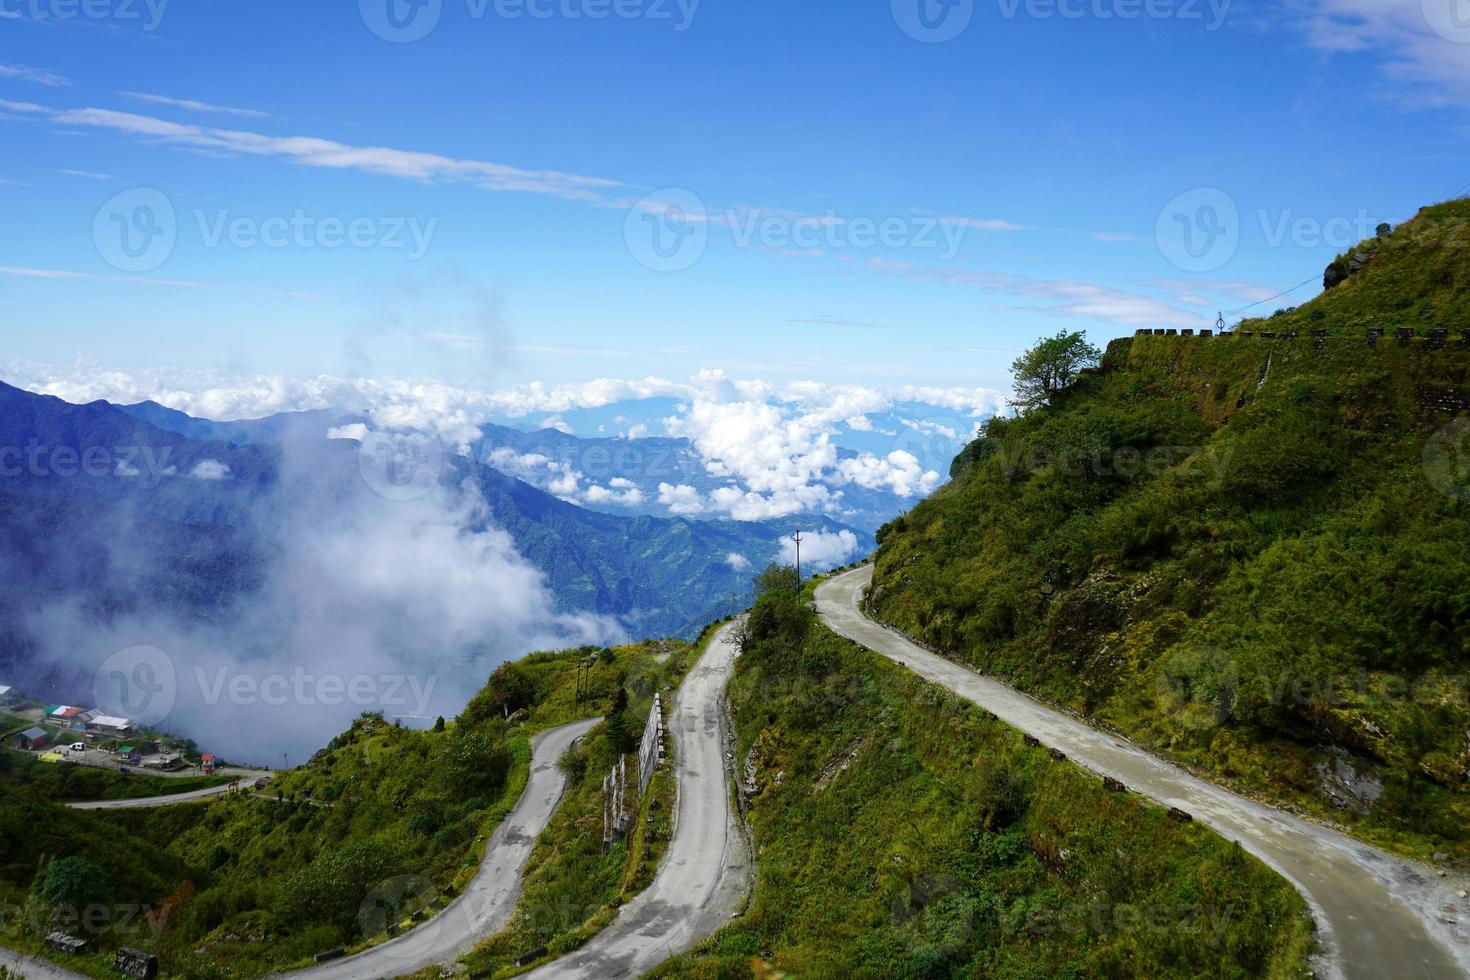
(1249, 553)
(1416, 276)
(902, 832)
(248, 885)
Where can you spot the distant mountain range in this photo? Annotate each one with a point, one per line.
(611, 475)
(127, 508)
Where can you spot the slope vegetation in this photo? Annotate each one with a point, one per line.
(385, 817)
(1415, 276)
(1248, 552)
(902, 832)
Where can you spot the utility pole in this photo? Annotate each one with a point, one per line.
(797, 538)
(584, 677)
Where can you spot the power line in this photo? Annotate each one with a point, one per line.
(1277, 296)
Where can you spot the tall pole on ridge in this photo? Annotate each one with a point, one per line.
(797, 538)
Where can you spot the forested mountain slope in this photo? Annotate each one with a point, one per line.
(1251, 552)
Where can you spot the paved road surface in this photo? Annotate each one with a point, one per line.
(705, 875)
(1377, 915)
(31, 968)
(486, 905)
(167, 800)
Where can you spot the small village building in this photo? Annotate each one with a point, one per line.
(30, 739)
(66, 714)
(110, 725)
(7, 694)
(167, 761)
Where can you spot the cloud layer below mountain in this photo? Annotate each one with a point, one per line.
(774, 444)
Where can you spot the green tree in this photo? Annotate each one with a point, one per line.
(1052, 365)
(73, 883)
(776, 578)
(511, 687)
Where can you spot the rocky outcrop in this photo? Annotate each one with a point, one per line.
(1344, 266)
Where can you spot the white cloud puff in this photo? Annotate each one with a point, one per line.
(899, 473)
(210, 469)
(820, 549)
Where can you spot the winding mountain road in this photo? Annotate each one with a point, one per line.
(486, 905)
(483, 909)
(152, 801)
(705, 875)
(1377, 915)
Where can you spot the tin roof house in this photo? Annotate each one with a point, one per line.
(30, 739)
(110, 725)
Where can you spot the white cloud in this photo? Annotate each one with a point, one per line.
(26, 107)
(1213, 294)
(310, 151)
(357, 432)
(1424, 66)
(929, 428)
(40, 76)
(559, 424)
(67, 275)
(194, 106)
(626, 496)
(772, 445)
(899, 472)
(681, 499)
(210, 469)
(820, 549)
(426, 593)
(984, 224)
(1069, 297)
(737, 561)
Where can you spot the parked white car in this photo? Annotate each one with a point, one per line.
(78, 747)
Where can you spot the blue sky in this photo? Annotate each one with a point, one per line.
(536, 157)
